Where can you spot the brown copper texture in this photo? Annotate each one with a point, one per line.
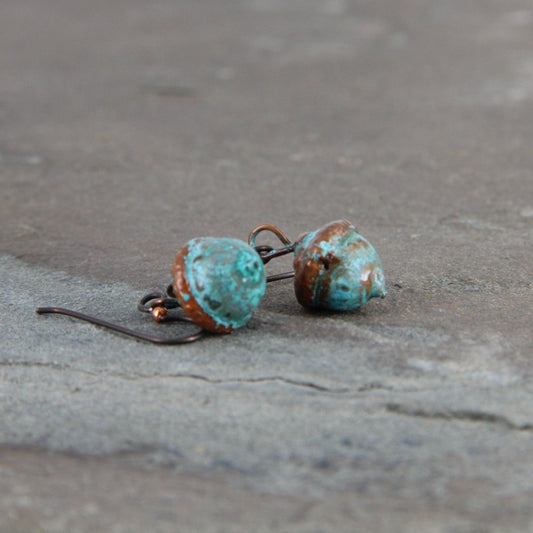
(308, 271)
(159, 313)
(191, 307)
(368, 281)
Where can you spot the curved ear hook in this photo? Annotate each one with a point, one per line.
(267, 252)
(154, 303)
(268, 227)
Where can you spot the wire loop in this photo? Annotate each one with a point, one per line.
(268, 253)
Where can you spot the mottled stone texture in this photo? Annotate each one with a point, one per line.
(129, 127)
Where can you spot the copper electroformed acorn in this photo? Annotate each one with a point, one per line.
(218, 282)
(336, 268)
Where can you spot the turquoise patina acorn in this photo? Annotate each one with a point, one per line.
(337, 268)
(218, 282)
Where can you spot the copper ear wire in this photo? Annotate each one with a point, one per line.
(267, 252)
(157, 302)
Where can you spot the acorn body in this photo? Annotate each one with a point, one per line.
(336, 268)
(218, 282)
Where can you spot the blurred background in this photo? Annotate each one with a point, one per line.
(128, 127)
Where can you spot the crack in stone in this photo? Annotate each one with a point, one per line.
(42, 364)
(468, 415)
(265, 379)
(366, 387)
(55, 366)
(396, 408)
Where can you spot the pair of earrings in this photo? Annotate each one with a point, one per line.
(218, 282)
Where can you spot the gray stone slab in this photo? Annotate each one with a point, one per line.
(128, 128)
(307, 415)
(49, 492)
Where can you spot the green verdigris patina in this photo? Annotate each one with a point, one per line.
(219, 282)
(336, 268)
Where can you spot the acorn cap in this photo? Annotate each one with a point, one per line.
(218, 282)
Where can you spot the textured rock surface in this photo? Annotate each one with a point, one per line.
(128, 128)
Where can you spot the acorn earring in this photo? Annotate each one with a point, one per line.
(335, 267)
(218, 282)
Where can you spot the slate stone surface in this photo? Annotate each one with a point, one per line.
(127, 128)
